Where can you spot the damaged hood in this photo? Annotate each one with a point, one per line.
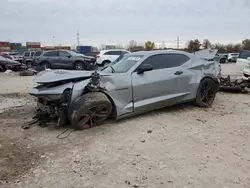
(49, 76)
(207, 54)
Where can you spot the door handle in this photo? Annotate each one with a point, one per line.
(178, 72)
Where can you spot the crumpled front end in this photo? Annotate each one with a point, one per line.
(54, 98)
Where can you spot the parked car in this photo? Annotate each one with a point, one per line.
(107, 56)
(137, 83)
(63, 59)
(232, 57)
(243, 64)
(6, 63)
(12, 55)
(5, 55)
(28, 58)
(111, 63)
(221, 58)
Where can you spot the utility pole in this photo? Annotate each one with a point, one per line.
(178, 42)
(78, 38)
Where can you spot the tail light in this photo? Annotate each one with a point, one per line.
(97, 57)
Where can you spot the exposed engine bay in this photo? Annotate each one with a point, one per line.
(56, 106)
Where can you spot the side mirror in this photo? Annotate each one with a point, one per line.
(69, 56)
(144, 68)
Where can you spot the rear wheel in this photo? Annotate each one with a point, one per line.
(29, 64)
(79, 66)
(90, 110)
(46, 65)
(105, 62)
(222, 60)
(2, 68)
(206, 93)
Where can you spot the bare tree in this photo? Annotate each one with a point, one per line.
(229, 48)
(237, 48)
(132, 45)
(119, 46)
(102, 46)
(206, 44)
(220, 47)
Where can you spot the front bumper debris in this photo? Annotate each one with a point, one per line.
(227, 84)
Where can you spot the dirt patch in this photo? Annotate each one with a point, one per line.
(16, 158)
(180, 146)
(13, 95)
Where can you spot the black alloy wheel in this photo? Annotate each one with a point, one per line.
(94, 115)
(206, 92)
(79, 66)
(90, 110)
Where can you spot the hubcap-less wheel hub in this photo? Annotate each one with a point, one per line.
(79, 67)
(94, 115)
(207, 94)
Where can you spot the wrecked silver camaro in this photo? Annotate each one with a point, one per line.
(136, 83)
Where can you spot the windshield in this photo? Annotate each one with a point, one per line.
(123, 63)
(13, 53)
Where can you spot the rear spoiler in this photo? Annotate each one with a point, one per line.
(207, 54)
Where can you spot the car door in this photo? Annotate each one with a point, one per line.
(165, 85)
(53, 58)
(65, 60)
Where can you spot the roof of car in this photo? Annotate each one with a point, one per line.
(155, 52)
(113, 50)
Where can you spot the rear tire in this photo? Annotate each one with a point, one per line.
(206, 93)
(46, 65)
(79, 66)
(222, 60)
(2, 68)
(90, 110)
(29, 64)
(105, 62)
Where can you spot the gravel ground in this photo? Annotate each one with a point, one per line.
(182, 146)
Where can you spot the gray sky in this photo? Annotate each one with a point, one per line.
(118, 21)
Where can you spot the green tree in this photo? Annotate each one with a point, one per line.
(246, 44)
(149, 45)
